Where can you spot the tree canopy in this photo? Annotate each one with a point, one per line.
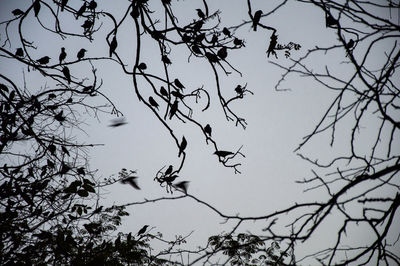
(184, 63)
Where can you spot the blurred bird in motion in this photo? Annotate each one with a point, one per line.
(131, 180)
(117, 122)
(183, 185)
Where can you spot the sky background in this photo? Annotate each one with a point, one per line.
(277, 122)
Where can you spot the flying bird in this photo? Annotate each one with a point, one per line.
(183, 185)
(131, 180)
(256, 19)
(208, 129)
(67, 74)
(113, 45)
(19, 52)
(200, 13)
(44, 60)
(117, 122)
(223, 153)
(81, 53)
(174, 108)
(153, 102)
(142, 230)
(62, 55)
(178, 84)
(182, 147)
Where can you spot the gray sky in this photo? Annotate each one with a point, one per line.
(277, 122)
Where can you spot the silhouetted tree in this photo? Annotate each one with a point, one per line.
(49, 210)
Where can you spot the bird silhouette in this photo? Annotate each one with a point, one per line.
(169, 170)
(330, 21)
(166, 60)
(182, 147)
(64, 150)
(81, 53)
(81, 11)
(113, 45)
(131, 180)
(200, 13)
(223, 153)
(153, 102)
(63, 4)
(212, 57)
(92, 5)
(62, 55)
(222, 53)
(169, 178)
(256, 19)
(183, 185)
(239, 90)
(87, 25)
(117, 122)
(19, 52)
(142, 66)
(44, 60)
(208, 129)
(163, 91)
(142, 230)
(178, 84)
(196, 49)
(214, 38)
(174, 108)
(238, 42)
(59, 117)
(177, 94)
(36, 7)
(67, 74)
(17, 12)
(272, 44)
(350, 44)
(226, 32)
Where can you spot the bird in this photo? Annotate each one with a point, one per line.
(117, 122)
(87, 25)
(330, 21)
(239, 89)
(237, 42)
(170, 178)
(256, 19)
(59, 117)
(214, 38)
(44, 60)
(81, 53)
(67, 74)
(222, 53)
(64, 150)
(183, 185)
(62, 55)
(178, 84)
(182, 147)
(142, 66)
(17, 12)
(174, 108)
(36, 7)
(153, 102)
(63, 4)
(113, 45)
(142, 230)
(163, 91)
(196, 49)
(226, 32)
(207, 130)
(350, 44)
(19, 52)
(81, 11)
(223, 153)
(92, 5)
(272, 44)
(177, 94)
(166, 60)
(169, 170)
(212, 57)
(200, 13)
(131, 180)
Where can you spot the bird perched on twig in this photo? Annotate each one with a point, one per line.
(19, 52)
(44, 60)
(223, 153)
(174, 108)
(113, 45)
(207, 130)
(153, 102)
(182, 147)
(67, 74)
(142, 230)
(178, 84)
(131, 180)
(81, 11)
(62, 55)
(256, 19)
(81, 53)
(200, 13)
(169, 170)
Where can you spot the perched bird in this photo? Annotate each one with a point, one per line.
(183, 185)
(170, 178)
(153, 102)
(113, 45)
(256, 19)
(178, 84)
(36, 7)
(174, 108)
(169, 170)
(131, 180)
(350, 44)
(62, 55)
(87, 25)
(64, 150)
(207, 130)
(117, 122)
(222, 53)
(17, 12)
(67, 74)
(223, 153)
(330, 21)
(44, 60)
(214, 38)
(63, 4)
(163, 91)
(177, 94)
(142, 66)
(272, 44)
(92, 5)
(200, 13)
(142, 230)
(226, 32)
(239, 89)
(166, 60)
(212, 57)
(182, 147)
(59, 117)
(197, 26)
(81, 11)
(19, 52)
(81, 53)
(196, 49)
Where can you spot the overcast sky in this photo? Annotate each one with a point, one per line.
(277, 122)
